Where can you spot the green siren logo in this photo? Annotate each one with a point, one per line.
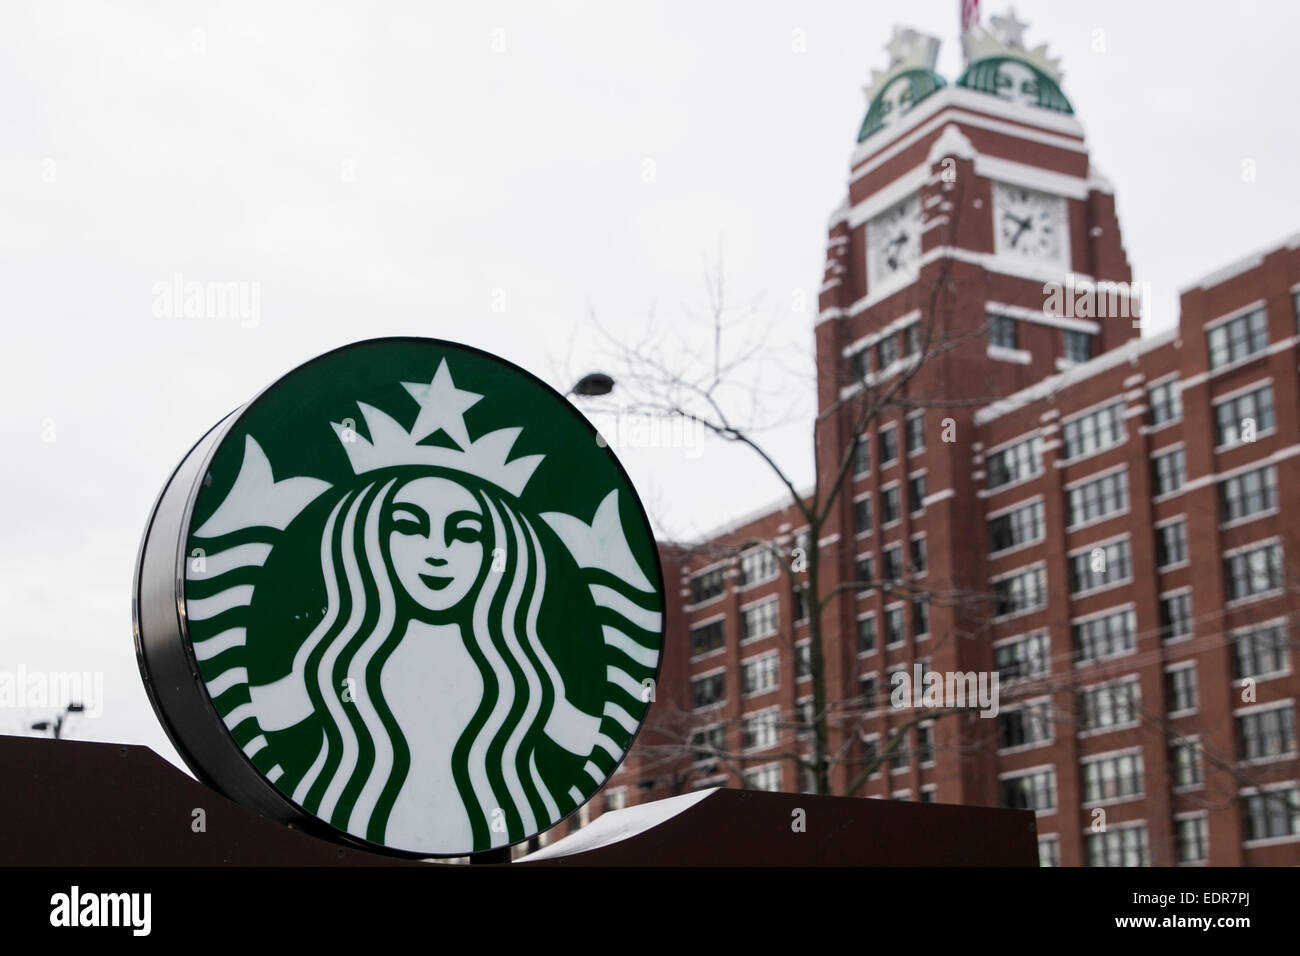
(421, 597)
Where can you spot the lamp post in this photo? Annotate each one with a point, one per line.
(56, 725)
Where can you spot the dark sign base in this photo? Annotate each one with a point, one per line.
(72, 803)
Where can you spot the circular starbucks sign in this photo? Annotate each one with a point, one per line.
(404, 597)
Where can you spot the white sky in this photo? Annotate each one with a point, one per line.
(213, 141)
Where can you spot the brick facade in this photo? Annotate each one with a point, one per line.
(976, 401)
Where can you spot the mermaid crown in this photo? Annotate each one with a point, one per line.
(442, 408)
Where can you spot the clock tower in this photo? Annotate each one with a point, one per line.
(970, 206)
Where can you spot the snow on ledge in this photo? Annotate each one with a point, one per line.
(619, 825)
(951, 142)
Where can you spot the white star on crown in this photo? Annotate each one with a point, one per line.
(442, 408)
(908, 49)
(1007, 38)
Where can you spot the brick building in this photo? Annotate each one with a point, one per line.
(1098, 517)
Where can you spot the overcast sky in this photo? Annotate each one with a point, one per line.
(487, 173)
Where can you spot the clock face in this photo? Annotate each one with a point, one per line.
(1028, 224)
(894, 241)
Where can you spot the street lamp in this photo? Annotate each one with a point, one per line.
(592, 385)
(75, 707)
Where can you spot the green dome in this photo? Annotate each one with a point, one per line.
(990, 75)
(899, 95)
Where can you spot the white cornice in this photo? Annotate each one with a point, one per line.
(951, 142)
(902, 187)
(1244, 264)
(916, 124)
(1054, 384)
(991, 167)
(1032, 177)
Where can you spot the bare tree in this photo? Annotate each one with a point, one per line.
(717, 384)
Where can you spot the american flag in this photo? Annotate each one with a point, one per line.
(970, 14)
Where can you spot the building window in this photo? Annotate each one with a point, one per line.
(1119, 846)
(615, 799)
(1164, 403)
(1030, 791)
(803, 717)
(707, 585)
(708, 742)
(1110, 705)
(759, 731)
(1025, 656)
(888, 438)
(708, 637)
(1180, 689)
(1266, 733)
(1270, 814)
(1014, 463)
(1097, 498)
(758, 565)
(862, 516)
(1078, 346)
(1168, 472)
(707, 690)
(916, 493)
(886, 351)
(1099, 567)
(1049, 850)
(866, 634)
(867, 691)
(1171, 544)
(799, 603)
(1238, 338)
(1255, 571)
(891, 563)
(1185, 763)
(912, 339)
(893, 626)
(915, 426)
(1244, 417)
(758, 675)
(1025, 726)
(860, 365)
(1175, 616)
(802, 660)
(1019, 592)
(925, 744)
(865, 571)
(918, 554)
(1112, 634)
(929, 793)
(1113, 777)
(871, 753)
(764, 778)
(1020, 526)
(1192, 839)
(1094, 431)
(862, 456)
(889, 509)
(1002, 332)
(1250, 493)
(900, 757)
(760, 620)
(1261, 651)
(920, 618)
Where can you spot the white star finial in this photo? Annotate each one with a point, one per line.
(442, 406)
(900, 45)
(1009, 29)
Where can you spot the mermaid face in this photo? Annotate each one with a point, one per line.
(436, 541)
